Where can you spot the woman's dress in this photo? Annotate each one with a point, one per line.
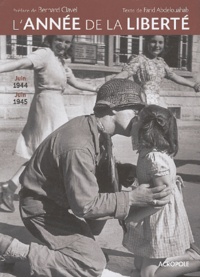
(47, 111)
(148, 73)
(166, 233)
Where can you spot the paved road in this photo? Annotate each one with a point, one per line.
(188, 165)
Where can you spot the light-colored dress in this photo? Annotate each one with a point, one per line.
(166, 233)
(47, 111)
(148, 73)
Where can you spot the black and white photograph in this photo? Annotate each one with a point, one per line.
(99, 150)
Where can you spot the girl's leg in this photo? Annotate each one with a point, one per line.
(172, 267)
(138, 262)
(149, 267)
(8, 189)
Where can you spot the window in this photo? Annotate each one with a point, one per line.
(99, 41)
(125, 46)
(20, 46)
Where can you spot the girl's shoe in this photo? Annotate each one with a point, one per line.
(7, 191)
(5, 242)
(12, 250)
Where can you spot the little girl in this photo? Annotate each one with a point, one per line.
(160, 238)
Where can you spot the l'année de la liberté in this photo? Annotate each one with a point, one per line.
(75, 23)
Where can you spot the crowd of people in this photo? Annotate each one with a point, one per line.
(72, 184)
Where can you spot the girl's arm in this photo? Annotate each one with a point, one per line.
(130, 68)
(137, 215)
(23, 63)
(121, 75)
(182, 81)
(72, 81)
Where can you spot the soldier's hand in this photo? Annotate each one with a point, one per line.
(144, 196)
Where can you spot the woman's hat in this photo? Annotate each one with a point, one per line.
(119, 93)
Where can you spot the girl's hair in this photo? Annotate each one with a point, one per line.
(158, 129)
(48, 40)
(148, 39)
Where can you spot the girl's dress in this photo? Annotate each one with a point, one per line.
(148, 73)
(166, 233)
(47, 111)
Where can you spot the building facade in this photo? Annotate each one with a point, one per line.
(95, 60)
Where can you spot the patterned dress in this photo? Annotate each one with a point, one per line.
(166, 233)
(47, 111)
(148, 73)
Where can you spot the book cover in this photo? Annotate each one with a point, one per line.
(107, 37)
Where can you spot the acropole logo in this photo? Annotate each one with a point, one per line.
(173, 264)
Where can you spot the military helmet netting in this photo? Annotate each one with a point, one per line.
(119, 93)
